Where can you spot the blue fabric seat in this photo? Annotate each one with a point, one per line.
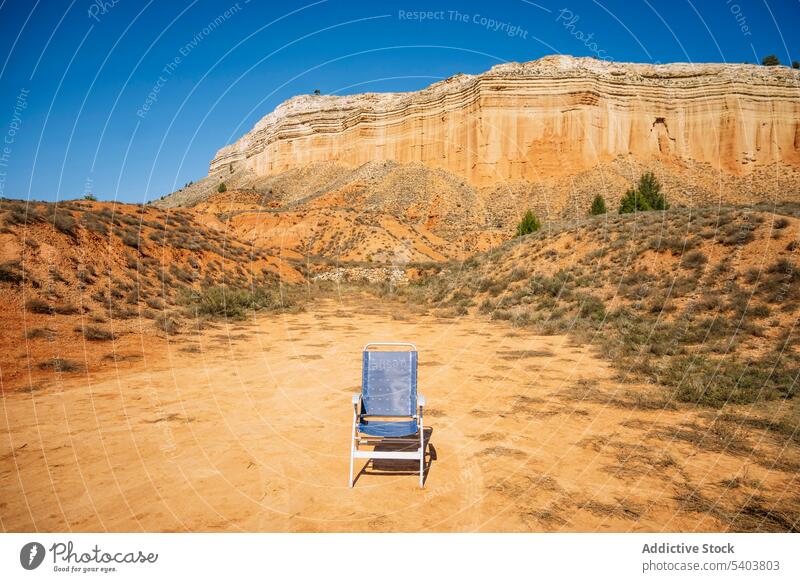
(388, 406)
(388, 428)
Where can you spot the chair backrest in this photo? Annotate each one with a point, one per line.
(389, 383)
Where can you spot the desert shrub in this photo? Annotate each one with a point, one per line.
(675, 244)
(228, 302)
(65, 309)
(222, 187)
(19, 215)
(38, 306)
(130, 239)
(637, 278)
(84, 277)
(646, 196)
(770, 61)
(10, 273)
(155, 303)
(167, 324)
(598, 206)
(91, 222)
(559, 285)
(501, 314)
(181, 274)
(780, 282)
(62, 221)
(784, 267)
(715, 383)
(60, 365)
(518, 274)
(95, 333)
(529, 224)
(737, 234)
(40, 332)
(781, 223)
(592, 308)
(694, 260)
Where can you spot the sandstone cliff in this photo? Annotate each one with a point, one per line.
(542, 120)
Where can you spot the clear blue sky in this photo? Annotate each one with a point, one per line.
(75, 75)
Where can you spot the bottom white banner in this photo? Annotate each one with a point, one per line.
(33, 556)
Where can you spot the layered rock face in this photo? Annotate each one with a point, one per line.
(545, 119)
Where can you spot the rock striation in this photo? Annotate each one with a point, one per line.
(546, 119)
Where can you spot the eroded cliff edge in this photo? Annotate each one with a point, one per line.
(539, 120)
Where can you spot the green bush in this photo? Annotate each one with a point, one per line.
(222, 187)
(598, 206)
(529, 224)
(646, 196)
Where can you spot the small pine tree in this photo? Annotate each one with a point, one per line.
(770, 61)
(529, 223)
(222, 187)
(796, 64)
(316, 92)
(90, 197)
(629, 202)
(598, 206)
(650, 190)
(646, 196)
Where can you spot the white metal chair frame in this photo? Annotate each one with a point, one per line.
(368, 440)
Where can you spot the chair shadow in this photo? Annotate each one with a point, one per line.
(401, 466)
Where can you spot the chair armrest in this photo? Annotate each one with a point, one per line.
(356, 399)
(420, 400)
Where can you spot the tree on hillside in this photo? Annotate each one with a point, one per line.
(529, 223)
(90, 197)
(770, 61)
(796, 64)
(598, 206)
(222, 187)
(646, 196)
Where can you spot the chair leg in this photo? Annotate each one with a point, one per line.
(351, 464)
(421, 456)
(353, 447)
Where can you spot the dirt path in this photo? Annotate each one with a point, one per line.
(250, 431)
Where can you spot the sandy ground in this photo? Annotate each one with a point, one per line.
(246, 426)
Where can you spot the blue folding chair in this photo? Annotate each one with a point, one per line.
(388, 410)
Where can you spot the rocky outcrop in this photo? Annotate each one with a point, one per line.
(545, 119)
(394, 276)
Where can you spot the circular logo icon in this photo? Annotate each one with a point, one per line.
(31, 555)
